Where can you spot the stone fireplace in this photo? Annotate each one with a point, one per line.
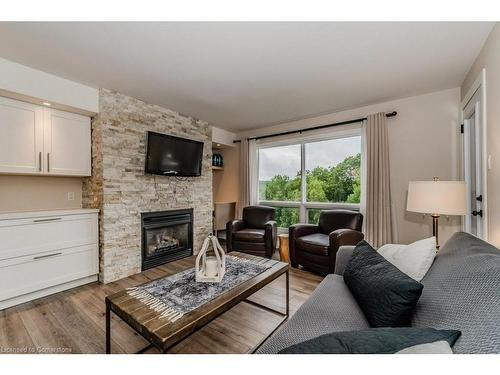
(122, 192)
(166, 236)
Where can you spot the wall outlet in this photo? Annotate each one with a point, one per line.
(71, 196)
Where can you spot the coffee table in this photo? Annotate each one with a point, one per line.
(164, 334)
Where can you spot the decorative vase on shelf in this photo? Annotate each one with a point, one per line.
(210, 268)
(217, 160)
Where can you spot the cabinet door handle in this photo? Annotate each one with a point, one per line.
(40, 161)
(48, 161)
(46, 220)
(46, 256)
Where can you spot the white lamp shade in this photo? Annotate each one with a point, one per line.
(437, 197)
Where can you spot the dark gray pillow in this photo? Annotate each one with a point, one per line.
(373, 341)
(386, 295)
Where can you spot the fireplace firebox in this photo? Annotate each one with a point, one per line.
(166, 236)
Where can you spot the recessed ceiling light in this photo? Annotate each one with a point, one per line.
(47, 104)
(218, 144)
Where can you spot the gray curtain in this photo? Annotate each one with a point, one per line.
(377, 205)
(244, 177)
(247, 195)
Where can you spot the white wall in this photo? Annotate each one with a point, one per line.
(33, 193)
(223, 137)
(423, 143)
(21, 82)
(226, 182)
(489, 59)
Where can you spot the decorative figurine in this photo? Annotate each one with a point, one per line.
(210, 268)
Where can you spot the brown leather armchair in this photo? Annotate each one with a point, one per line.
(255, 234)
(315, 246)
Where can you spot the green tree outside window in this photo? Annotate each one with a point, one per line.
(336, 184)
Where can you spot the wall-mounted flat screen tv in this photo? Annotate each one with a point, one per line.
(167, 155)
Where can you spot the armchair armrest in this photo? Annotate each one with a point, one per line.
(231, 227)
(295, 231)
(271, 223)
(236, 225)
(343, 256)
(271, 236)
(342, 237)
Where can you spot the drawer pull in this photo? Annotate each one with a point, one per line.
(45, 220)
(46, 256)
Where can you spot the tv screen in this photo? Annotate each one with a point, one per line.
(167, 155)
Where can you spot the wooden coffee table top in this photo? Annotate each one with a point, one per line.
(163, 333)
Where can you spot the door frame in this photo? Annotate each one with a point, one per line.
(479, 85)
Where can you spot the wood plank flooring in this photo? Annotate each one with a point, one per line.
(73, 321)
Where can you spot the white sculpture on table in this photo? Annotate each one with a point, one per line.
(210, 268)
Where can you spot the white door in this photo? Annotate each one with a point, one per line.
(66, 143)
(473, 166)
(21, 137)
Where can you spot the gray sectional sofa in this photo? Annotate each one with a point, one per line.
(461, 291)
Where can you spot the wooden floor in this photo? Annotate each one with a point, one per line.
(74, 321)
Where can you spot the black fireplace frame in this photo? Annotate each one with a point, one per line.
(151, 220)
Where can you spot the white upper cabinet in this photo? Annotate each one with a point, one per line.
(21, 137)
(67, 143)
(39, 140)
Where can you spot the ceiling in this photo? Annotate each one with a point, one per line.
(247, 75)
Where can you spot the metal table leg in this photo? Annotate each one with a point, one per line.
(284, 316)
(108, 329)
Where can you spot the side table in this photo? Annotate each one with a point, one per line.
(283, 247)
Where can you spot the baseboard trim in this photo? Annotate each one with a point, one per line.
(45, 292)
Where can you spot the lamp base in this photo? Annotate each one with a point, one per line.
(435, 231)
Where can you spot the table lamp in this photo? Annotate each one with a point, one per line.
(437, 198)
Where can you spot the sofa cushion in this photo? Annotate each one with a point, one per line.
(376, 341)
(316, 243)
(331, 308)
(249, 235)
(462, 291)
(386, 295)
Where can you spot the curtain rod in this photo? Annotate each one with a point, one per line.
(390, 114)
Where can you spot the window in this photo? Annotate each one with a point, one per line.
(286, 216)
(302, 178)
(279, 173)
(313, 215)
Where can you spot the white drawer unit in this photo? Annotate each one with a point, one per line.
(46, 252)
(43, 141)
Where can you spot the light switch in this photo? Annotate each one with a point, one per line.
(71, 196)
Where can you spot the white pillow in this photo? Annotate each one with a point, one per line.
(414, 259)
(436, 347)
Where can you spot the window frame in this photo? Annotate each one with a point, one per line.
(303, 205)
